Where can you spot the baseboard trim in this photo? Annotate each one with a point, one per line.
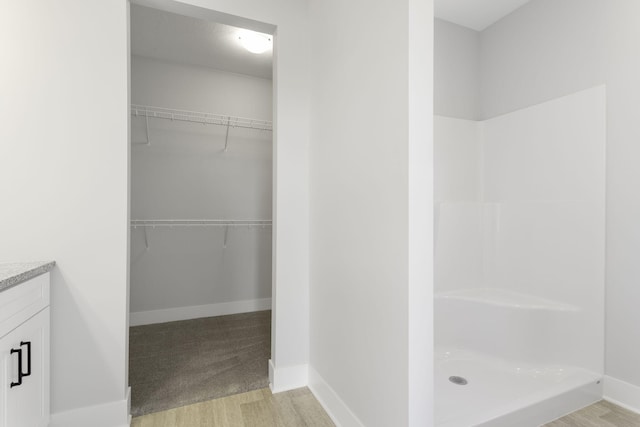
(622, 394)
(111, 414)
(338, 411)
(139, 318)
(287, 377)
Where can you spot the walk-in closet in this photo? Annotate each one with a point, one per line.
(201, 210)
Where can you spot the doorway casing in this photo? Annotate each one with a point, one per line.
(288, 366)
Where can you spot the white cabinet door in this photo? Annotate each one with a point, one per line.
(26, 403)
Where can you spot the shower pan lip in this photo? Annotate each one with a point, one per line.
(504, 393)
(528, 384)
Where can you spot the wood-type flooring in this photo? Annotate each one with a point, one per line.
(259, 408)
(299, 408)
(600, 414)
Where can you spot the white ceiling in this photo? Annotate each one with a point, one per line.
(167, 36)
(475, 14)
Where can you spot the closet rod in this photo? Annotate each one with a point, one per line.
(199, 117)
(198, 222)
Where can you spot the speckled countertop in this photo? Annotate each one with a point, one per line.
(13, 273)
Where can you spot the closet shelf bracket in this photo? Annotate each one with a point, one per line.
(226, 144)
(146, 127)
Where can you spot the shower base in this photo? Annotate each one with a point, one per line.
(500, 393)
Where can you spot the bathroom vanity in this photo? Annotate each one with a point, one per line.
(24, 344)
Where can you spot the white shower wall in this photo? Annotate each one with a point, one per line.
(544, 170)
(520, 211)
(185, 174)
(458, 211)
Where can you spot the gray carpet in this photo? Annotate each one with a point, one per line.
(178, 363)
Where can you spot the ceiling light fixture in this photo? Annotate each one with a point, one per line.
(255, 42)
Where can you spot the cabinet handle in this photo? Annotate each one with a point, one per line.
(19, 351)
(28, 344)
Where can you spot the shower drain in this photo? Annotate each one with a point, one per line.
(458, 380)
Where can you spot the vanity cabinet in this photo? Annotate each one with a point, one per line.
(24, 354)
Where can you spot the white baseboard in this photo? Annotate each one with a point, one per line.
(622, 394)
(288, 377)
(196, 311)
(339, 412)
(111, 414)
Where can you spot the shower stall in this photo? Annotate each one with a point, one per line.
(519, 286)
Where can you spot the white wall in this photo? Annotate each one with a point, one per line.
(175, 85)
(456, 71)
(63, 180)
(550, 48)
(364, 266)
(544, 50)
(185, 174)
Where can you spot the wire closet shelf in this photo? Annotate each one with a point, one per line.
(199, 222)
(200, 117)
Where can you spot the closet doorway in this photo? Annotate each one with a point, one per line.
(201, 210)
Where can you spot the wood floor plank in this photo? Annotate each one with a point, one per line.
(258, 414)
(258, 408)
(197, 415)
(233, 406)
(286, 414)
(600, 414)
(309, 409)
